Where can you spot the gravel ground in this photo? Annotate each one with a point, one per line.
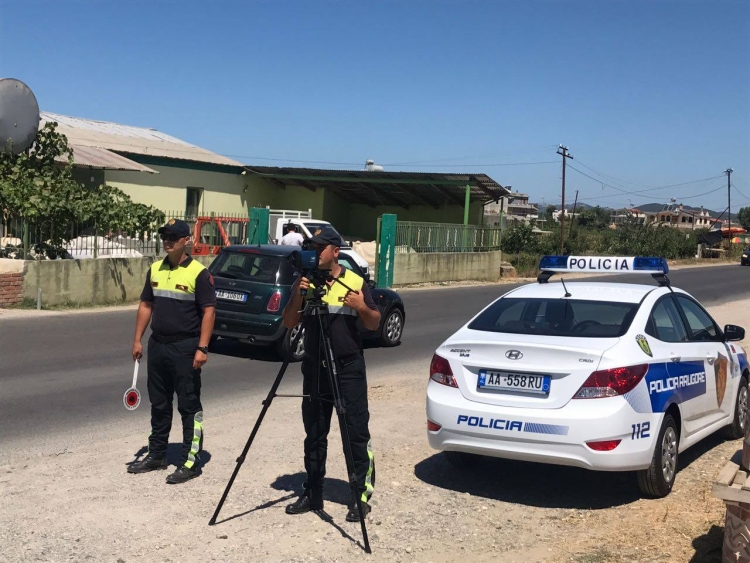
(79, 504)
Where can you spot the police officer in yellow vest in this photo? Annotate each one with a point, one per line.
(344, 309)
(180, 301)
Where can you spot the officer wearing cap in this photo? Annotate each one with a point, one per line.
(345, 308)
(179, 300)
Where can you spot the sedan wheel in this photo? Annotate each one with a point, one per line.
(657, 480)
(285, 346)
(393, 328)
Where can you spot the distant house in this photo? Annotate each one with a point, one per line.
(622, 215)
(677, 216)
(512, 207)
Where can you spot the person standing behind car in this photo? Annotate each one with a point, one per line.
(345, 308)
(180, 300)
(292, 237)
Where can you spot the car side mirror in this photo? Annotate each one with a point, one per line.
(370, 283)
(734, 333)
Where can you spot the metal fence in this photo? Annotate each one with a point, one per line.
(412, 236)
(21, 238)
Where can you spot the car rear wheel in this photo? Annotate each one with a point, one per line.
(657, 480)
(285, 346)
(393, 328)
(736, 429)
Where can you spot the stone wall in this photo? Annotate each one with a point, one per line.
(420, 267)
(11, 282)
(86, 282)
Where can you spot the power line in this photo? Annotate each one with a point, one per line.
(740, 192)
(598, 181)
(589, 199)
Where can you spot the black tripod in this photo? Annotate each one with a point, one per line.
(315, 307)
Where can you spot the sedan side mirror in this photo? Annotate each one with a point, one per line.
(370, 283)
(734, 333)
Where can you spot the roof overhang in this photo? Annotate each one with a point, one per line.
(102, 159)
(401, 189)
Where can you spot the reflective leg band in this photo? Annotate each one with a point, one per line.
(368, 478)
(195, 446)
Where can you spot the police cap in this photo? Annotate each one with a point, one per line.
(175, 227)
(325, 236)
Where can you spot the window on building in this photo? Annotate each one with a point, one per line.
(684, 219)
(193, 201)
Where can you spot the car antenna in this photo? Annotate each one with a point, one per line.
(567, 293)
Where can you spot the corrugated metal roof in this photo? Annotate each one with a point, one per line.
(389, 188)
(130, 140)
(102, 159)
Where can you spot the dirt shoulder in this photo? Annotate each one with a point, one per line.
(80, 504)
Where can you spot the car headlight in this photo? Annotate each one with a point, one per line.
(744, 255)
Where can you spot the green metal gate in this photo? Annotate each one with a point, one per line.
(385, 252)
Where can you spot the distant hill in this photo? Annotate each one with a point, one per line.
(646, 208)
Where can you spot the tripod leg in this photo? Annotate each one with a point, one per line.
(241, 459)
(341, 413)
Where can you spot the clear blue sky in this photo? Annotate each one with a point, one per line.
(648, 93)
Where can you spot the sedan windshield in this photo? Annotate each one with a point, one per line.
(557, 317)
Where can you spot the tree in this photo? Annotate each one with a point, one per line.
(744, 217)
(593, 218)
(548, 216)
(37, 187)
(519, 237)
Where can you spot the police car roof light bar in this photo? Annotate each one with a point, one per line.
(656, 266)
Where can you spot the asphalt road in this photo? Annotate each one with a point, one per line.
(63, 375)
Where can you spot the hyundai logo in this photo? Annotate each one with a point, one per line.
(513, 354)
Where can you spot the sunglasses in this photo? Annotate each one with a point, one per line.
(171, 238)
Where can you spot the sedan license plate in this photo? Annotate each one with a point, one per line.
(508, 381)
(231, 295)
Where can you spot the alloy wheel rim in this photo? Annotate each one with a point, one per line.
(669, 454)
(393, 327)
(742, 406)
(300, 349)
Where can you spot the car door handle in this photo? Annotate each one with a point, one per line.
(676, 358)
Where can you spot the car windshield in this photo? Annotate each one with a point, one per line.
(252, 267)
(557, 317)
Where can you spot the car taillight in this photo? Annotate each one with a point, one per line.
(611, 382)
(604, 445)
(440, 371)
(274, 302)
(433, 426)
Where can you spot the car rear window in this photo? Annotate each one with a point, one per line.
(257, 268)
(557, 317)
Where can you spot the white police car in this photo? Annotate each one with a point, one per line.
(606, 376)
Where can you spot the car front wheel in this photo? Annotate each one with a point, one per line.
(393, 328)
(657, 480)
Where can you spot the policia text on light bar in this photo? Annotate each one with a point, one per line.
(609, 264)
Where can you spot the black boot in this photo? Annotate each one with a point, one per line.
(149, 463)
(311, 499)
(353, 514)
(182, 474)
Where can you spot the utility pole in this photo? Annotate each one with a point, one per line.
(565, 156)
(573, 217)
(728, 172)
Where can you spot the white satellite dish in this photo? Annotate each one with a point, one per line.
(19, 116)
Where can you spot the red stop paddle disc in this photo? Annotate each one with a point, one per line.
(132, 399)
